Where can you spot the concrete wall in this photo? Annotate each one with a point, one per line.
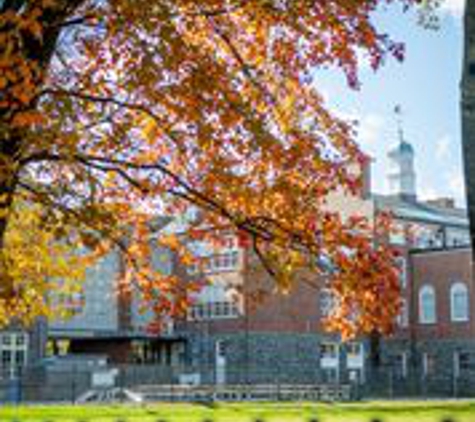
(100, 311)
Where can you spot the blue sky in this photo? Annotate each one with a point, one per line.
(426, 85)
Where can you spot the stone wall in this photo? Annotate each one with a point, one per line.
(260, 358)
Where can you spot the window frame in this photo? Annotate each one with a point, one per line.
(402, 266)
(213, 310)
(424, 317)
(455, 289)
(13, 353)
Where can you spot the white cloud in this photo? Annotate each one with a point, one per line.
(454, 8)
(370, 128)
(454, 186)
(442, 147)
(456, 183)
(364, 60)
(427, 192)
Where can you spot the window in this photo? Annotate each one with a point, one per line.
(354, 350)
(461, 362)
(329, 361)
(328, 351)
(194, 268)
(427, 311)
(327, 303)
(213, 310)
(403, 317)
(13, 352)
(229, 242)
(401, 265)
(72, 302)
(221, 348)
(325, 264)
(428, 364)
(227, 261)
(459, 302)
(400, 365)
(397, 235)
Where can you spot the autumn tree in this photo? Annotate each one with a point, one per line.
(112, 109)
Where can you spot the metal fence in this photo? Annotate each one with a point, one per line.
(182, 383)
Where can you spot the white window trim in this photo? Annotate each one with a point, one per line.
(455, 289)
(12, 347)
(222, 262)
(401, 264)
(423, 317)
(330, 358)
(213, 310)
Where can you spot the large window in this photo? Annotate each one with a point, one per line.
(213, 310)
(427, 305)
(459, 305)
(13, 352)
(227, 261)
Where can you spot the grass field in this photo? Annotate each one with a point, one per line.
(248, 412)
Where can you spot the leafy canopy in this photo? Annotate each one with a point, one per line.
(112, 108)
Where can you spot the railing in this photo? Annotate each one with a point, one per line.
(172, 383)
(266, 392)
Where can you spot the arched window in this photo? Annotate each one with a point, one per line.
(427, 312)
(459, 302)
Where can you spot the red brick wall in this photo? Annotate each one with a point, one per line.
(299, 311)
(441, 269)
(268, 310)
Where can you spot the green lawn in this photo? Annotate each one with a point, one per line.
(248, 412)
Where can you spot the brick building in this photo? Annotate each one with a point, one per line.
(228, 338)
(282, 339)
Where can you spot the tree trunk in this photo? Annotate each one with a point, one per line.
(10, 145)
(38, 51)
(468, 114)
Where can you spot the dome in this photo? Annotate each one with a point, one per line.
(402, 147)
(406, 147)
